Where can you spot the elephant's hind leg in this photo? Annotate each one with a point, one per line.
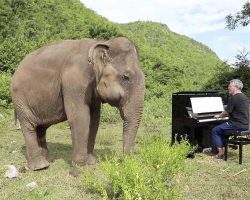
(35, 157)
(41, 136)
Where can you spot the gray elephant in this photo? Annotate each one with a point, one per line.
(68, 81)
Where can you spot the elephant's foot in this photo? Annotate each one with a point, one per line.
(38, 163)
(91, 159)
(73, 172)
(79, 160)
(48, 157)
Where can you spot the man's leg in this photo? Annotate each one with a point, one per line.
(218, 137)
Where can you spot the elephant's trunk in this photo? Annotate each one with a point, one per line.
(131, 113)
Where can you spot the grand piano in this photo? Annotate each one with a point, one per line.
(193, 116)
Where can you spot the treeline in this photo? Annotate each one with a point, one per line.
(171, 62)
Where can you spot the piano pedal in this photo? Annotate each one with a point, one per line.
(233, 146)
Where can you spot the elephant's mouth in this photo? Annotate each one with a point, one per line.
(103, 101)
(113, 100)
(114, 103)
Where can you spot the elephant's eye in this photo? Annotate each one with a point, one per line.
(125, 77)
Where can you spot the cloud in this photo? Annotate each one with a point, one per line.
(185, 17)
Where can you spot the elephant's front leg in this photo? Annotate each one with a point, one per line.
(78, 115)
(94, 124)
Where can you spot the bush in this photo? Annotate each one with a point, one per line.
(5, 98)
(153, 173)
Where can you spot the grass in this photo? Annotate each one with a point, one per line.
(217, 179)
(207, 178)
(53, 182)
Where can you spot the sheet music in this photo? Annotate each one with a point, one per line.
(206, 104)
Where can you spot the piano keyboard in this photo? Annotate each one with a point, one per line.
(212, 119)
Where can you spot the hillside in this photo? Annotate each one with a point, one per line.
(171, 62)
(26, 25)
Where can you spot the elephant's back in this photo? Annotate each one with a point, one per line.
(56, 55)
(48, 61)
(42, 69)
(64, 47)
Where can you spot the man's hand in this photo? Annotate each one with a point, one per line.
(216, 116)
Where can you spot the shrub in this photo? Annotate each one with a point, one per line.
(5, 98)
(153, 173)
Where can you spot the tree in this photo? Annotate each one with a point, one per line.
(240, 18)
(242, 63)
(242, 69)
(242, 59)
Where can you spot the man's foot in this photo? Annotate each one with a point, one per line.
(220, 156)
(210, 151)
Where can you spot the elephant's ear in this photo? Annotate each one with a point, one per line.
(98, 58)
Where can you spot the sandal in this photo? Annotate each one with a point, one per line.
(218, 156)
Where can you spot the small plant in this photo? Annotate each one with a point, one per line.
(153, 173)
(37, 194)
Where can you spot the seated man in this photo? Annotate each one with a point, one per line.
(237, 110)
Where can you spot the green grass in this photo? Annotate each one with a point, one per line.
(217, 179)
(53, 183)
(203, 177)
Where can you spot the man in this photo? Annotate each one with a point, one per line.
(238, 112)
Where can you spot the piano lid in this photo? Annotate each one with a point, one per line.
(206, 104)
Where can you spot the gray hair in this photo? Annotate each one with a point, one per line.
(237, 83)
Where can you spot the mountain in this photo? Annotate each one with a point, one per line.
(172, 62)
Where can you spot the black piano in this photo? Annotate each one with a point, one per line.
(193, 116)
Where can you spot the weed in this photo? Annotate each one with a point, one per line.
(37, 194)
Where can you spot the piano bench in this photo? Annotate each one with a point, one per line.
(239, 138)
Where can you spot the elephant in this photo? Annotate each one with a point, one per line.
(69, 80)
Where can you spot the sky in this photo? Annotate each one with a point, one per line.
(201, 20)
